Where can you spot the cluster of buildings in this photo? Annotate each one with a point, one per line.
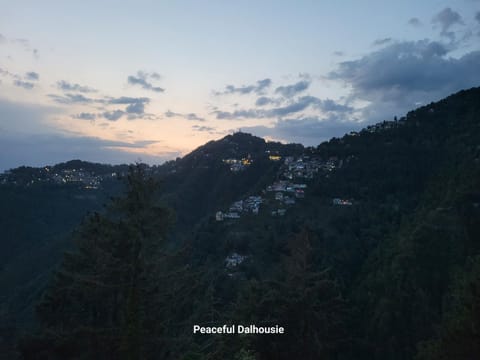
(307, 168)
(48, 174)
(342, 202)
(287, 186)
(249, 205)
(89, 180)
(237, 165)
(286, 192)
(385, 125)
(233, 260)
(232, 263)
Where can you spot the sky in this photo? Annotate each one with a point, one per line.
(122, 81)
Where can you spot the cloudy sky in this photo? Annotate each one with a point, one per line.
(117, 81)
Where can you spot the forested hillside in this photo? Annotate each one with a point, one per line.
(41, 207)
(365, 247)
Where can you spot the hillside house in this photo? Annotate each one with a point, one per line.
(341, 202)
(234, 260)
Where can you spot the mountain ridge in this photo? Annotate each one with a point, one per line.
(404, 177)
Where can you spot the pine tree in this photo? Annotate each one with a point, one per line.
(97, 305)
(304, 300)
(316, 312)
(459, 336)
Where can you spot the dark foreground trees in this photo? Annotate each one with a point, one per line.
(99, 304)
(305, 300)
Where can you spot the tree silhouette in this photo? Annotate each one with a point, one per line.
(97, 305)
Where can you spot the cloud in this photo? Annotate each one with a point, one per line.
(257, 88)
(262, 84)
(136, 108)
(66, 86)
(141, 79)
(21, 117)
(27, 137)
(141, 143)
(238, 114)
(404, 74)
(299, 105)
(338, 53)
(400, 65)
(69, 99)
(208, 129)
(24, 84)
(3, 39)
(383, 41)
(22, 81)
(128, 100)
(189, 116)
(32, 76)
(329, 105)
(143, 116)
(25, 44)
(7, 73)
(113, 115)
(446, 19)
(85, 116)
(294, 89)
(155, 76)
(49, 149)
(263, 100)
(170, 114)
(309, 131)
(305, 76)
(304, 102)
(415, 22)
(194, 117)
(295, 106)
(135, 105)
(477, 16)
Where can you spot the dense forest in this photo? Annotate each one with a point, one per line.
(364, 247)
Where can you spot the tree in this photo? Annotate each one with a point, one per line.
(96, 306)
(305, 301)
(459, 336)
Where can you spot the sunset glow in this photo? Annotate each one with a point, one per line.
(154, 80)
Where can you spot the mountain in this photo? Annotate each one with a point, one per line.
(218, 173)
(41, 206)
(381, 224)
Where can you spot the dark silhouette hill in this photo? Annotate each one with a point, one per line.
(385, 223)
